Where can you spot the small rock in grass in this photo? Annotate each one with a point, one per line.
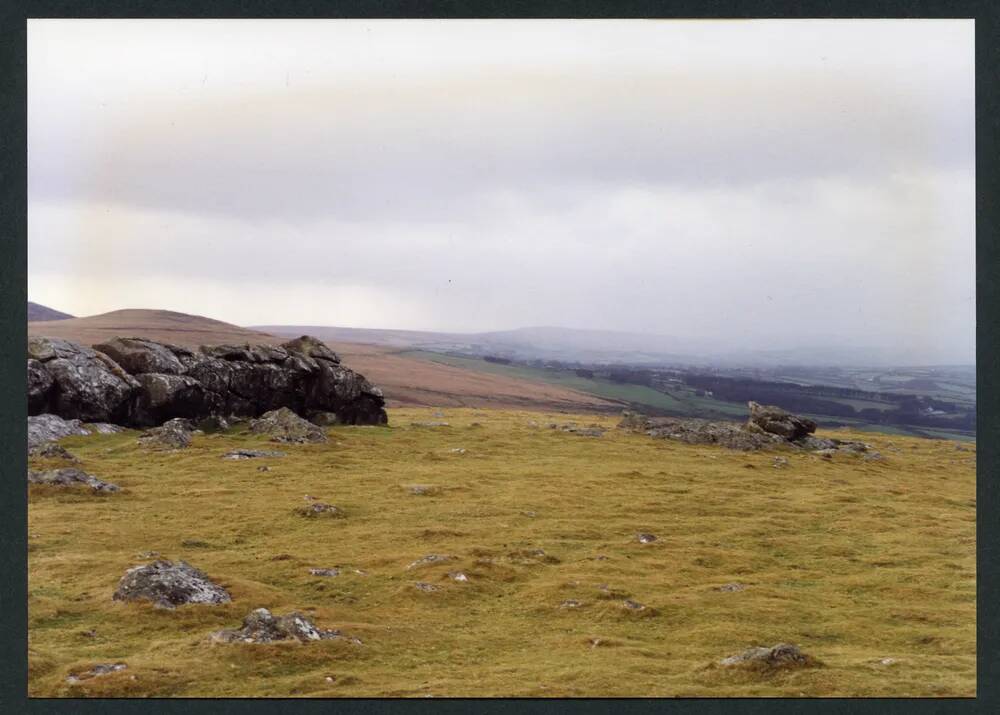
(570, 603)
(731, 587)
(425, 490)
(645, 538)
(429, 424)
(325, 572)
(263, 468)
(252, 453)
(423, 586)
(283, 425)
(320, 509)
(781, 655)
(780, 463)
(51, 450)
(172, 434)
(70, 477)
(457, 450)
(98, 670)
(458, 576)
(631, 605)
(888, 661)
(260, 626)
(430, 559)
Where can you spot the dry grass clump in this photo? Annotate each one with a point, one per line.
(867, 566)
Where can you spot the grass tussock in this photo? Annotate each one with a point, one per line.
(867, 566)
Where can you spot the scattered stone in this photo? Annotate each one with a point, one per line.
(527, 556)
(631, 605)
(645, 538)
(872, 457)
(103, 428)
(325, 572)
(283, 425)
(457, 450)
(572, 428)
(320, 509)
(888, 661)
(97, 671)
(429, 424)
(70, 477)
(458, 576)
(147, 554)
(51, 450)
(172, 434)
(214, 423)
(780, 463)
(423, 490)
(731, 587)
(782, 655)
(252, 454)
(825, 453)
(260, 626)
(263, 468)
(430, 559)
(168, 585)
(529, 514)
(698, 431)
(423, 586)
(49, 428)
(571, 603)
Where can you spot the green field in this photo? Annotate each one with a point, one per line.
(854, 561)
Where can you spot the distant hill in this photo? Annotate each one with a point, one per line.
(39, 312)
(163, 325)
(405, 380)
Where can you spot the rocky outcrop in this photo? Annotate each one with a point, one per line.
(767, 426)
(70, 477)
(142, 383)
(261, 626)
(172, 434)
(49, 428)
(774, 420)
(168, 585)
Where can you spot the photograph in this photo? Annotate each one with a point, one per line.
(501, 358)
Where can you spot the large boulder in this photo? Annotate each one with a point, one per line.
(168, 584)
(50, 428)
(774, 420)
(40, 385)
(164, 396)
(138, 355)
(311, 347)
(86, 384)
(172, 434)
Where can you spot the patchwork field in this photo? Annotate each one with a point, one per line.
(868, 566)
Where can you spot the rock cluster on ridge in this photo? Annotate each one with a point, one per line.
(143, 383)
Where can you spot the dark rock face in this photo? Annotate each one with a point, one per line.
(260, 626)
(141, 383)
(83, 383)
(70, 477)
(168, 585)
(775, 420)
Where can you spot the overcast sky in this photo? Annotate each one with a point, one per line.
(760, 183)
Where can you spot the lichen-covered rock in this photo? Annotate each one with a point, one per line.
(775, 420)
(70, 477)
(86, 384)
(283, 425)
(141, 382)
(698, 431)
(51, 450)
(261, 626)
(96, 671)
(779, 656)
(168, 585)
(49, 428)
(172, 434)
(320, 509)
(138, 355)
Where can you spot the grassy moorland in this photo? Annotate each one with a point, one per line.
(855, 561)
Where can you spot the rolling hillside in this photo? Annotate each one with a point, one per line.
(39, 312)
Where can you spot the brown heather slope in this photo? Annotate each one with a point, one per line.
(406, 381)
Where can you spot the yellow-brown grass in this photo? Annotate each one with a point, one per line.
(853, 561)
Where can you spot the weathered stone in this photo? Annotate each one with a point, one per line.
(780, 656)
(320, 509)
(324, 419)
(87, 385)
(645, 538)
(311, 347)
(94, 672)
(283, 425)
(252, 454)
(172, 434)
(49, 428)
(138, 355)
(424, 586)
(775, 420)
(326, 573)
(168, 584)
(260, 626)
(731, 587)
(40, 385)
(70, 477)
(164, 396)
(430, 559)
(51, 450)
